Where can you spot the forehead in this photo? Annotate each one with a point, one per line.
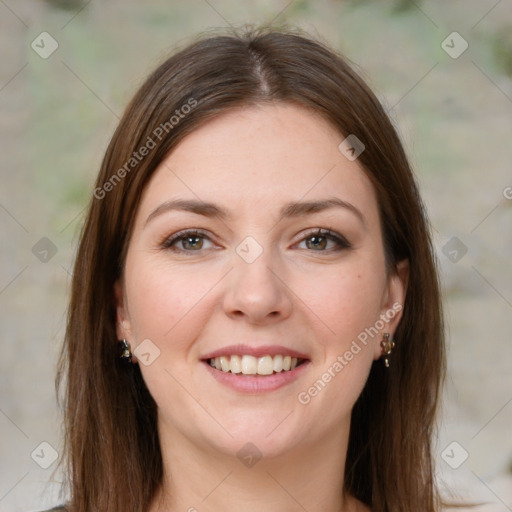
(257, 158)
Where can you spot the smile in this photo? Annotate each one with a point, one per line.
(251, 365)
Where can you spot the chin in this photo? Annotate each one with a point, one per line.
(261, 435)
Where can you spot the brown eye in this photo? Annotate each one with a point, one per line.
(186, 241)
(191, 242)
(320, 238)
(317, 242)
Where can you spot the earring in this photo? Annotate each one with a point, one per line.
(126, 354)
(387, 345)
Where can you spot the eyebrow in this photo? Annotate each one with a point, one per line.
(293, 209)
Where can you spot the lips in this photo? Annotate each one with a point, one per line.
(243, 366)
(256, 384)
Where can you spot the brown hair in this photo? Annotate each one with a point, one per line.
(111, 441)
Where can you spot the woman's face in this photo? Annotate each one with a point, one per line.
(258, 286)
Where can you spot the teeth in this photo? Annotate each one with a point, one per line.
(265, 366)
(250, 365)
(224, 363)
(235, 364)
(278, 363)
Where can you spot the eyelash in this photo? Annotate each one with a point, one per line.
(324, 233)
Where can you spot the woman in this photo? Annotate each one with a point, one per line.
(255, 320)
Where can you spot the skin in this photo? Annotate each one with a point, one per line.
(297, 293)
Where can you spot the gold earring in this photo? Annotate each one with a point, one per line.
(387, 345)
(126, 354)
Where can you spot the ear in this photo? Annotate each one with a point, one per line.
(393, 303)
(123, 324)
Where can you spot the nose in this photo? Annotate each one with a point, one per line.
(258, 291)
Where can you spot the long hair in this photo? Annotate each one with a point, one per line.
(112, 449)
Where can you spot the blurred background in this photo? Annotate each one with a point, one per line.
(442, 69)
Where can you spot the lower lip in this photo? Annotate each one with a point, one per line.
(256, 383)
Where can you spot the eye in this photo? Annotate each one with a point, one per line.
(319, 240)
(191, 240)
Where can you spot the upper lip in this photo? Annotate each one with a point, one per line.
(259, 351)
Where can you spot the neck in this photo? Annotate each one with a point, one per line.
(198, 479)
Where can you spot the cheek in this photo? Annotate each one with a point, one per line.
(347, 300)
(164, 301)
(348, 306)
